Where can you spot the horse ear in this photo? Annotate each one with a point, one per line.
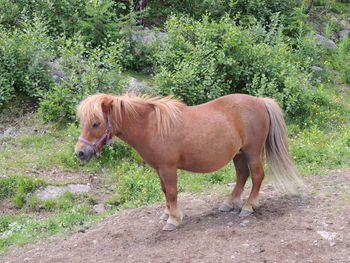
(106, 104)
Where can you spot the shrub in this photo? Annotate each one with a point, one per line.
(202, 60)
(245, 10)
(86, 72)
(23, 57)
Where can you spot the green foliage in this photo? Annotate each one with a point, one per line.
(34, 203)
(23, 57)
(202, 60)
(21, 229)
(138, 188)
(99, 21)
(64, 203)
(19, 186)
(312, 151)
(86, 72)
(342, 60)
(245, 10)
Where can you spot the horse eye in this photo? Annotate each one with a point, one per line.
(95, 125)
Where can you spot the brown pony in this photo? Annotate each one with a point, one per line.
(170, 135)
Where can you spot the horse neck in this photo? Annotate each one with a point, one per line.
(132, 130)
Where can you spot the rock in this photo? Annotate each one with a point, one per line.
(345, 24)
(316, 68)
(108, 206)
(146, 36)
(3, 176)
(344, 33)
(325, 42)
(99, 208)
(52, 191)
(56, 70)
(327, 235)
(244, 223)
(8, 131)
(138, 87)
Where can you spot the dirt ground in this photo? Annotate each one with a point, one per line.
(313, 227)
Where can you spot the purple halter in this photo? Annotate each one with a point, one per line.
(106, 135)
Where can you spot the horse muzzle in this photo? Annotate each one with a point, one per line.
(85, 154)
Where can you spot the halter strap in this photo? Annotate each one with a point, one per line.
(106, 135)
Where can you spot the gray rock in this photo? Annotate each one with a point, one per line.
(138, 87)
(146, 36)
(52, 191)
(327, 235)
(344, 33)
(99, 208)
(345, 24)
(56, 70)
(8, 131)
(325, 42)
(316, 68)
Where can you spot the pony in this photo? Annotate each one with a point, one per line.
(170, 135)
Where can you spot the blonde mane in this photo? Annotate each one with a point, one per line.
(166, 109)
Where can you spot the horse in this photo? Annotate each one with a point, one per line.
(170, 135)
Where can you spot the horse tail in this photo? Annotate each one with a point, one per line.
(282, 171)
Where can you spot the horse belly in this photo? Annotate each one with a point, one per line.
(208, 159)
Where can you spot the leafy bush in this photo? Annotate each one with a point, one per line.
(202, 60)
(23, 57)
(342, 60)
(245, 10)
(86, 72)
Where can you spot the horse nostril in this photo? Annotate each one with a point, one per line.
(79, 154)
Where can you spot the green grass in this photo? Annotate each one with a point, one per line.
(316, 150)
(20, 229)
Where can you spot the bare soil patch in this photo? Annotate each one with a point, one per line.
(283, 229)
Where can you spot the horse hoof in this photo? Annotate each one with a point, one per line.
(169, 227)
(164, 217)
(245, 213)
(225, 208)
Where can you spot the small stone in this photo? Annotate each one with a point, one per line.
(327, 235)
(8, 132)
(325, 42)
(316, 68)
(108, 206)
(344, 33)
(53, 191)
(99, 208)
(332, 244)
(244, 223)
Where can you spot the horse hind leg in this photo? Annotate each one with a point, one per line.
(257, 172)
(234, 202)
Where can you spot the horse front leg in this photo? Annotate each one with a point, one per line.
(168, 178)
(166, 212)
